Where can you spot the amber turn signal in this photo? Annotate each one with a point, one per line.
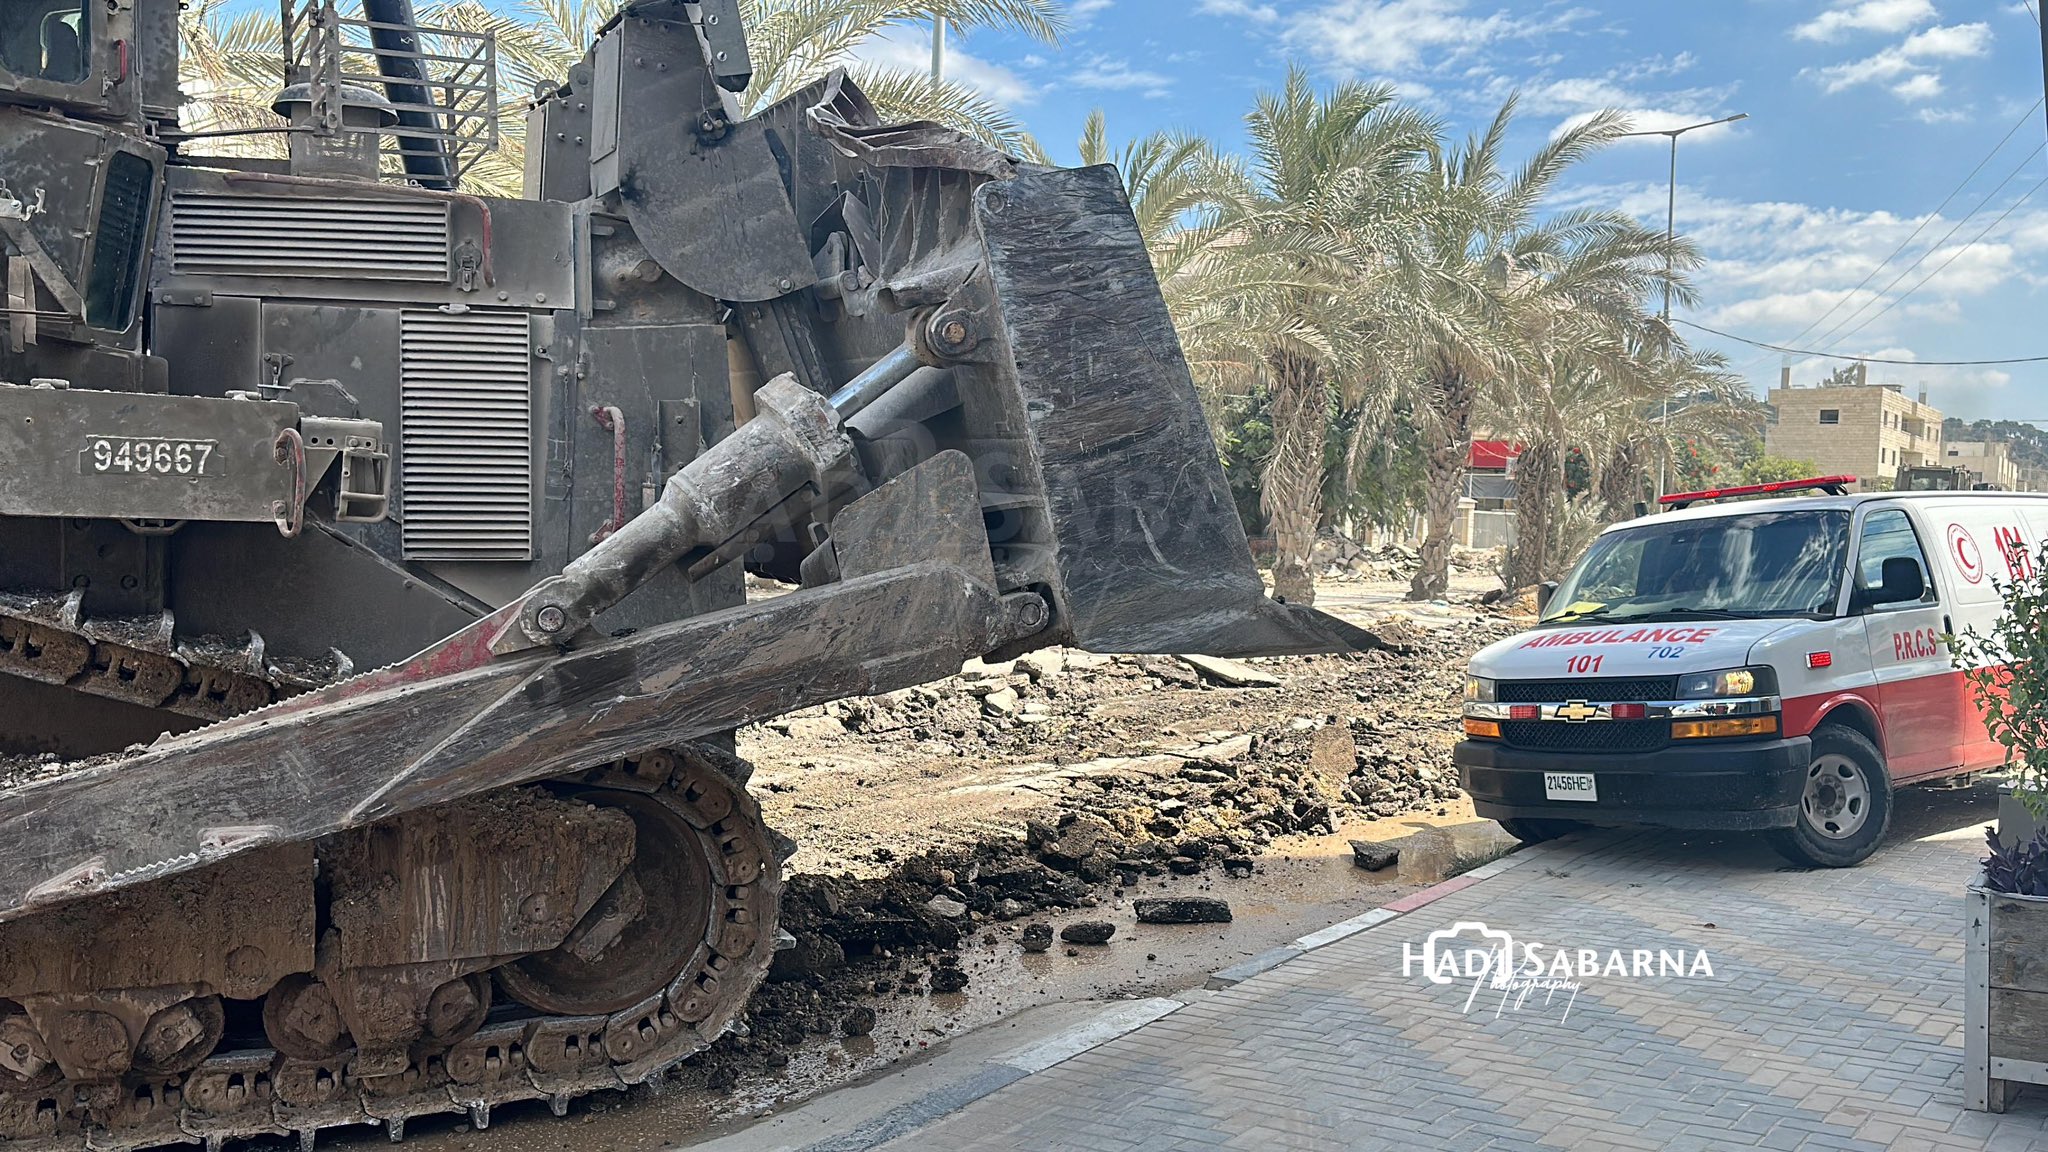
(1484, 729)
(1732, 726)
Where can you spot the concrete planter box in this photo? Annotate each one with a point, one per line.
(2016, 825)
(2005, 1006)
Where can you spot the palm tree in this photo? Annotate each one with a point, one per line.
(1501, 283)
(230, 69)
(1585, 348)
(1299, 291)
(1689, 396)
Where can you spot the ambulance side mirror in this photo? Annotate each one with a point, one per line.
(1903, 582)
(1544, 592)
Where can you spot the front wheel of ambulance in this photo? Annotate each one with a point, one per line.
(1845, 808)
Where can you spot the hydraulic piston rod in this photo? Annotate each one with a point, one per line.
(795, 444)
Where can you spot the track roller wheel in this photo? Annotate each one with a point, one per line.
(686, 933)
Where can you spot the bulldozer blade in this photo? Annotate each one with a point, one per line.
(388, 742)
(1146, 552)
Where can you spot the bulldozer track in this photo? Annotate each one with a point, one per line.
(517, 1055)
(142, 661)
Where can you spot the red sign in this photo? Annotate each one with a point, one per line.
(2014, 549)
(1919, 644)
(1684, 635)
(1969, 561)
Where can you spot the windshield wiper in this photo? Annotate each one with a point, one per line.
(1608, 613)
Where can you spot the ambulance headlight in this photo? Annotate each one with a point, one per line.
(1478, 690)
(1727, 682)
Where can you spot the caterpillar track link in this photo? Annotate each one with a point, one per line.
(144, 662)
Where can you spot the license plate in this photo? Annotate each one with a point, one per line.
(1569, 786)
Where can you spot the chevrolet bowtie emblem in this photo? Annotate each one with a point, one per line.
(1576, 711)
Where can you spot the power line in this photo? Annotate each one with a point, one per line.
(1953, 256)
(1922, 226)
(1864, 359)
(1830, 334)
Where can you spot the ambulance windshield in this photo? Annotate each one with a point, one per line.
(1768, 564)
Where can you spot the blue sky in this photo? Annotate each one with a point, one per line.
(1864, 116)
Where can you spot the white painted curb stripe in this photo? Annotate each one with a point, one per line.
(1127, 1016)
(1343, 928)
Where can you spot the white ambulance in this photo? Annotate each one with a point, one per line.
(1774, 665)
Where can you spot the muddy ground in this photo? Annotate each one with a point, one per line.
(938, 827)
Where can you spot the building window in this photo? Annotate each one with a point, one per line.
(1831, 415)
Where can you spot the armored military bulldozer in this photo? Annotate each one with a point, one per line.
(372, 625)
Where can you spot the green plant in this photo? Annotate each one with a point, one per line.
(2007, 671)
(2021, 869)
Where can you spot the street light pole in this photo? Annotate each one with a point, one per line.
(1671, 235)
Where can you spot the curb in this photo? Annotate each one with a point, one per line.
(1000, 1072)
(1393, 910)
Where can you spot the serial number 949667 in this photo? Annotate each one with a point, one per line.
(148, 456)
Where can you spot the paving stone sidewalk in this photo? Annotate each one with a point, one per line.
(1833, 1020)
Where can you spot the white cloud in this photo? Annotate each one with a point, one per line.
(1925, 86)
(1083, 12)
(1109, 72)
(1909, 59)
(1775, 267)
(1394, 37)
(1582, 96)
(1888, 16)
(915, 55)
(1952, 40)
(1242, 9)
(1655, 120)
(1658, 65)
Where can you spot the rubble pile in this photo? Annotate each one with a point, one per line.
(1326, 740)
(1336, 557)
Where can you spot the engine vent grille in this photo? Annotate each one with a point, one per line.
(466, 436)
(220, 235)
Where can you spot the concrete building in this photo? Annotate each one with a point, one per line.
(1868, 431)
(1989, 459)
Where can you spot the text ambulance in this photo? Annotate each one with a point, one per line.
(1775, 665)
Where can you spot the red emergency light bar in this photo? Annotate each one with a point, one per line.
(1832, 485)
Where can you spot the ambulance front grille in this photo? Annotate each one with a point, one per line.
(1605, 690)
(466, 436)
(1594, 736)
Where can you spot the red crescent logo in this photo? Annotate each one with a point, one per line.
(1968, 559)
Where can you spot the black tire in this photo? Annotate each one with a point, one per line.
(1533, 831)
(1845, 808)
